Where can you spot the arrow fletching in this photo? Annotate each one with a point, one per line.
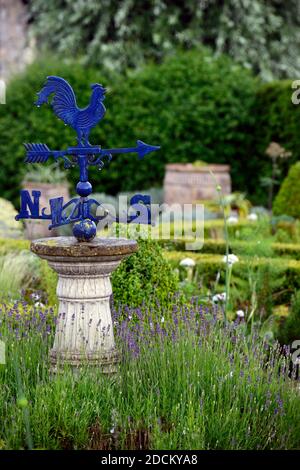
(37, 153)
(143, 148)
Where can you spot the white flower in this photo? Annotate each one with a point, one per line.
(219, 297)
(162, 320)
(240, 313)
(230, 260)
(253, 217)
(232, 219)
(187, 263)
(35, 296)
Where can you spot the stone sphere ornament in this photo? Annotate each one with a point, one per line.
(84, 230)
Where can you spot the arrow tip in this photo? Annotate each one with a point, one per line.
(144, 149)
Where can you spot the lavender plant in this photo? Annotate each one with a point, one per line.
(186, 381)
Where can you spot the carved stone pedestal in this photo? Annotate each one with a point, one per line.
(84, 330)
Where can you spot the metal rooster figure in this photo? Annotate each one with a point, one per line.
(78, 210)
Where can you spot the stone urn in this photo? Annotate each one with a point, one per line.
(186, 183)
(84, 330)
(39, 228)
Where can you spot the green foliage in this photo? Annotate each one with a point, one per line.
(51, 174)
(129, 32)
(287, 200)
(290, 327)
(144, 277)
(194, 104)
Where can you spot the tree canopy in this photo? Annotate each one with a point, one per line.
(258, 34)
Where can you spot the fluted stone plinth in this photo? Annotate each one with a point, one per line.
(84, 330)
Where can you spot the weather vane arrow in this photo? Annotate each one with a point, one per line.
(82, 120)
(40, 153)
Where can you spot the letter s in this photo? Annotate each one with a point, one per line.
(295, 96)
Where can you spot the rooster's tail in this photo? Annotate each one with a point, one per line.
(64, 101)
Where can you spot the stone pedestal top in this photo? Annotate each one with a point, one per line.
(69, 247)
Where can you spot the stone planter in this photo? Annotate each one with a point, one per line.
(186, 183)
(84, 331)
(39, 228)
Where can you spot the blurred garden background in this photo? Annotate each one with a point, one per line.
(212, 83)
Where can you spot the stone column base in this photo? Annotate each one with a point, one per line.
(84, 331)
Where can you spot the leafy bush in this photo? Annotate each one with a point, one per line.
(145, 277)
(193, 105)
(287, 200)
(290, 328)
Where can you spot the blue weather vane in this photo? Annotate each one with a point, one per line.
(84, 155)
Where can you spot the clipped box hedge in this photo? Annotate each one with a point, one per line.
(218, 247)
(208, 265)
(213, 229)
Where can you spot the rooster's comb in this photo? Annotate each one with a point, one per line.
(98, 85)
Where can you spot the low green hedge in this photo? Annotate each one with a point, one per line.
(211, 246)
(213, 229)
(280, 276)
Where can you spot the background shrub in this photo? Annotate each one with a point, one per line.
(145, 277)
(290, 328)
(287, 200)
(276, 119)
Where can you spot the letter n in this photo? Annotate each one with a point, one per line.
(30, 205)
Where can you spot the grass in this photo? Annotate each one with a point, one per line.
(17, 271)
(185, 382)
